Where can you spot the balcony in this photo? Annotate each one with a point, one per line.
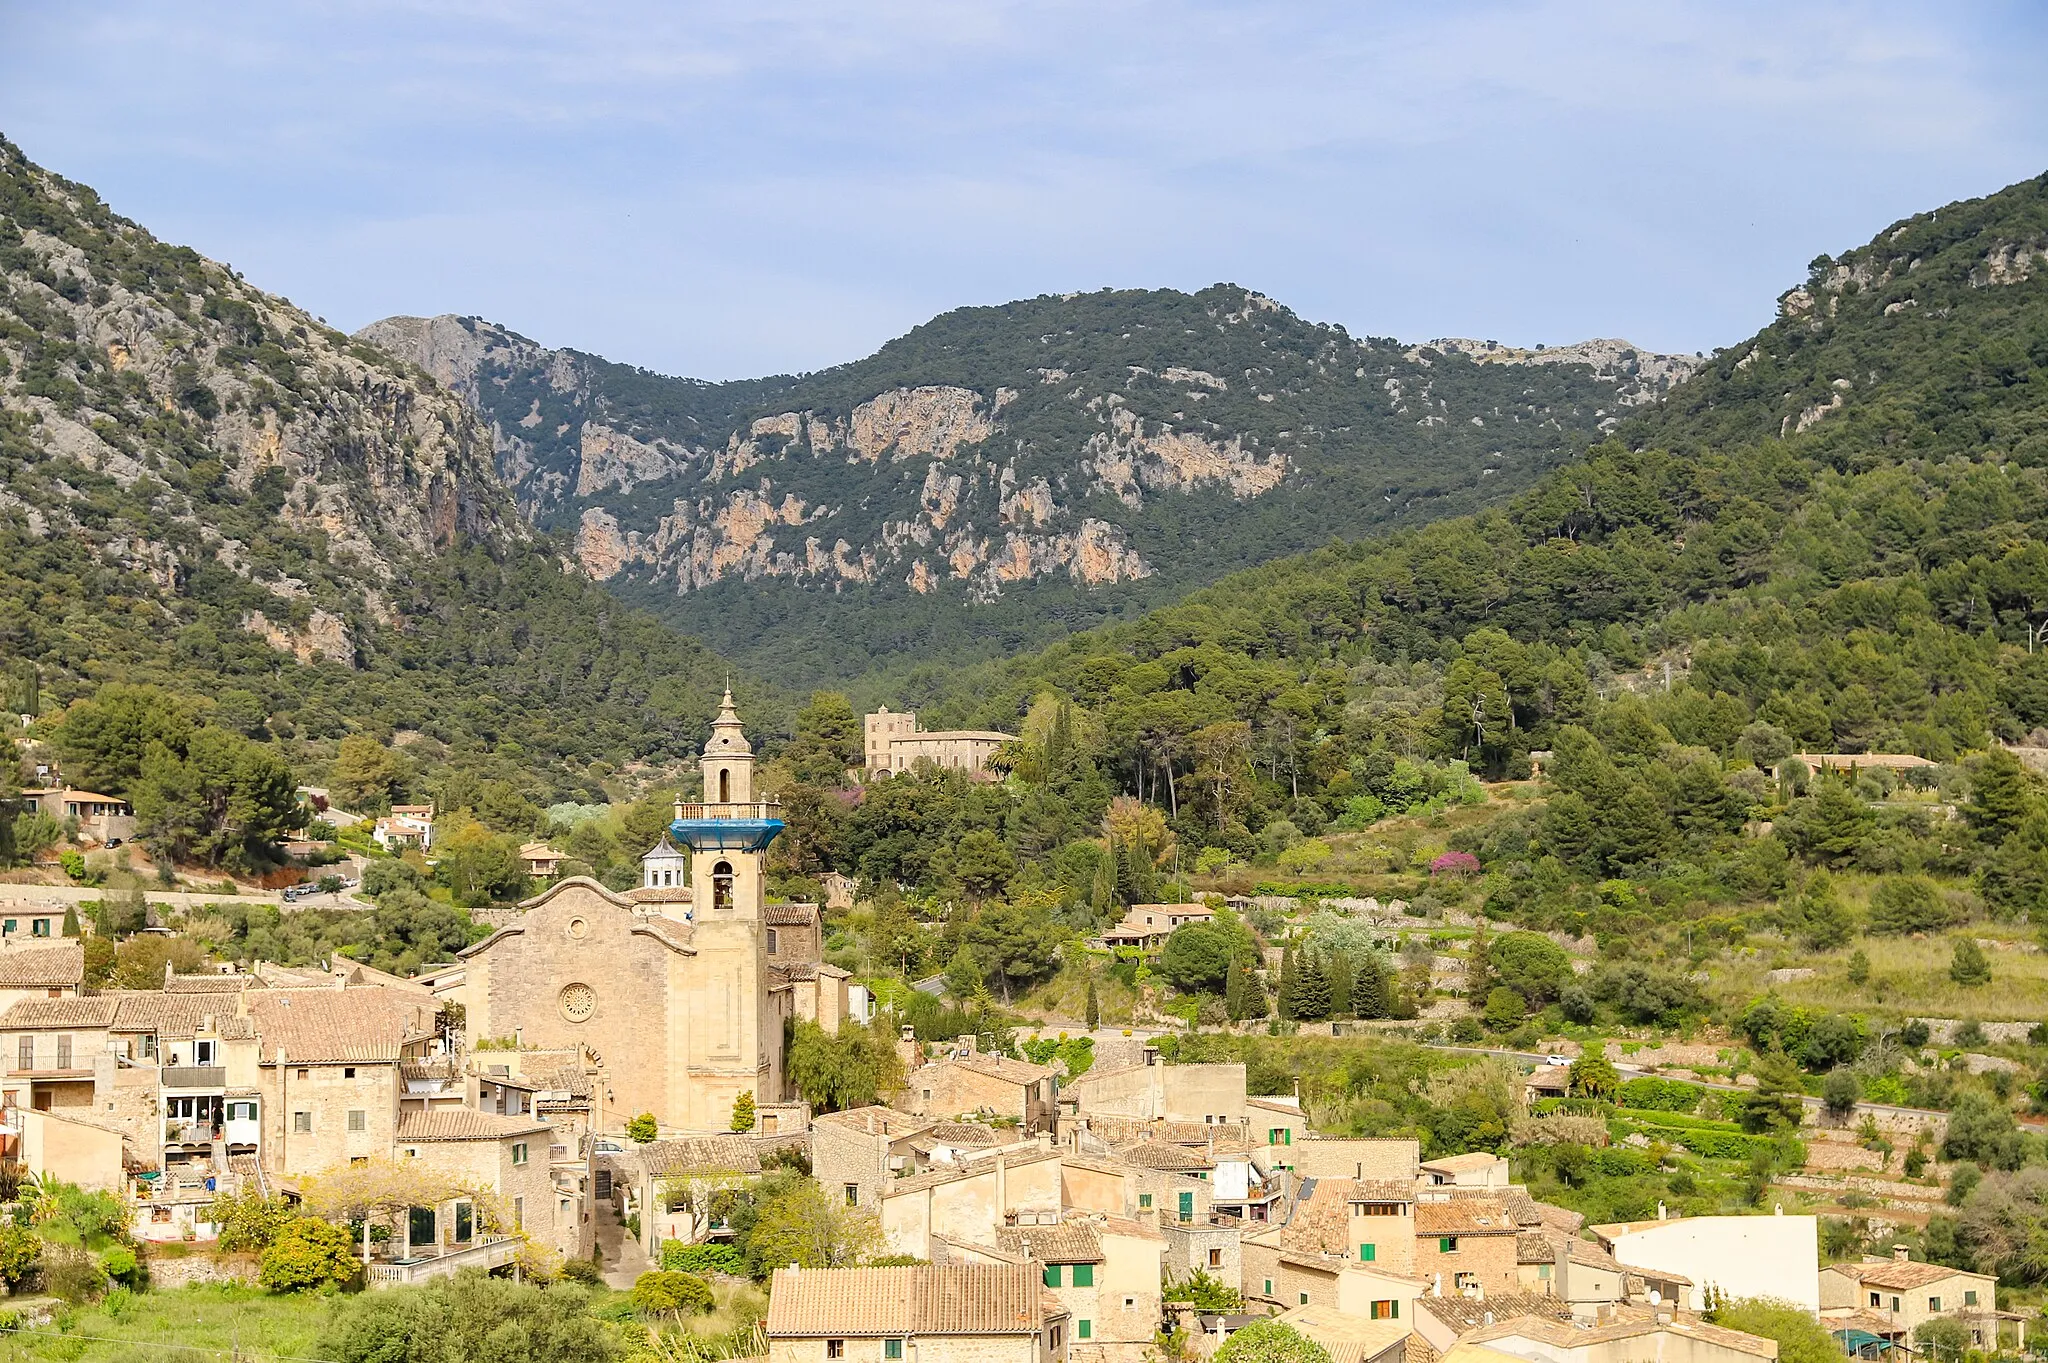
(485, 1252)
(191, 1133)
(746, 827)
(195, 1076)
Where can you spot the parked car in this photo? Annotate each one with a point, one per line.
(1557, 1060)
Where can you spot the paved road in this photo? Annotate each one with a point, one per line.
(57, 896)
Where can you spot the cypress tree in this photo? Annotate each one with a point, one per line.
(1369, 989)
(1252, 993)
(1337, 966)
(1233, 990)
(1094, 1006)
(1312, 992)
(1289, 981)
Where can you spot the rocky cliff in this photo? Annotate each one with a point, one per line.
(1085, 451)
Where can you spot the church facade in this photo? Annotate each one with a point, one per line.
(671, 989)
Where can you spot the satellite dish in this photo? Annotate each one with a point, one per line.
(1656, 1297)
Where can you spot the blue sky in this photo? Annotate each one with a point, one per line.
(727, 190)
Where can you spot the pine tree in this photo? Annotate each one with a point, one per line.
(1369, 989)
(1312, 991)
(1093, 1014)
(2000, 796)
(1478, 965)
(1253, 993)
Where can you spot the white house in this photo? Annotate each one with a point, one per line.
(1743, 1256)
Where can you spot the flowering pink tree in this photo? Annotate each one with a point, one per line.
(1455, 864)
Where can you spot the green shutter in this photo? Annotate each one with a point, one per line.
(1447, 1244)
(1394, 1309)
(1269, 1287)
(1187, 1206)
(1367, 1253)
(1084, 1276)
(1144, 1200)
(1086, 1330)
(1052, 1275)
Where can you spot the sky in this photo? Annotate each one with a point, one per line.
(731, 190)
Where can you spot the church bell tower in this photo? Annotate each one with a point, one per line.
(728, 832)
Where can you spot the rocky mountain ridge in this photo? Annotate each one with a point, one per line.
(1085, 450)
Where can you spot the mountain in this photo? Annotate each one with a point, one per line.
(1838, 529)
(1003, 475)
(202, 486)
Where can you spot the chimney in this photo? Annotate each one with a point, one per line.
(1901, 1253)
(1661, 1213)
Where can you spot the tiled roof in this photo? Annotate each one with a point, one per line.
(875, 1120)
(967, 1133)
(1163, 1155)
(1563, 1336)
(926, 1299)
(215, 983)
(1896, 1274)
(176, 1017)
(43, 967)
(1469, 1313)
(1000, 1067)
(31, 1013)
(463, 1124)
(330, 1026)
(934, 1178)
(1463, 1216)
(1560, 1218)
(1419, 1350)
(789, 915)
(699, 1154)
(1461, 1164)
(661, 894)
(1322, 1216)
(1070, 1242)
(1345, 1337)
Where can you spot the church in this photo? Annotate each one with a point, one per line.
(681, 990)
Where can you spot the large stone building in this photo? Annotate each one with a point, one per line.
(674, 990)
(895, 744)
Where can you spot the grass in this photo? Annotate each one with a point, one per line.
(1908, 977)
(202, 1322)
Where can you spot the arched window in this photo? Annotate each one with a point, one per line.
(721, 886)
(724, 786)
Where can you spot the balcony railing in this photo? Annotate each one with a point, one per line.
(759, 809)
(195, 1076)
(486, 1252)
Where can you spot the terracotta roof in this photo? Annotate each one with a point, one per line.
(1463, 1313)
(1322, 1215)
(43, 967)
(1896, 1274)
(1563, 1336)
(1163, 1155)
(699, 1154)
(1464, 1216)
(463, 1124)
(1460, 1164)
(925, 1299)
(567, 1078)
(1000, 1067)
(789, 915)
(1070, 1242)
(333, 1026)
(1286, 1106)
(874, 1120)
(1560, 1218)
(1345, 1337)
(661, 894)
(30, 1013)
(934, 1178)
(213, 983)
(1419, 1350)
(178, 1016)
(967, 1133)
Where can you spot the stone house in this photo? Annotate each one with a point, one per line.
(1106, 1272)
(39, 968)
(1212, 1244)
(542, 861)
(327, 1071)
(1538, 1339)
(503, 1157)
(965, 1082)
(1467, 1245)
(1899, 1296)
(1208, 1094)
(1351, 1337)
(1377, 1158)
(1116, 1187)
(1476, 1170)
(926, 1313)
(966, 1203)
(1147, 926)
(857, 1154)
(671, 1184)
(1276, 1124)
(1442, 1321)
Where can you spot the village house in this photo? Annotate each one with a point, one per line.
(1467, 1245)
(1147, 926)
(406, 826)
(1892, 1297)
(1106, 1272)
(1442, 1321)
(1539, 1339)
(964, 1082)
(893, 744)
(671, 1184)
(967, 1203)
(1350, 1338)
(542, 861)
(98, 817)
(505, 1158)
(37, 968)
(925, 1313)
(1741, 1256)
(1210, 1094)
(1476, 1170)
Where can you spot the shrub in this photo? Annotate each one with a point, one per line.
(1904, 904)
(1659, 1095)
(120, 1263)
(1968, 966)
(583, 1271)
(678, 1257)
(251, 1221)
(306, 1255)
(662, 1293)
(643, 1128)
(20, 1251)
(72, 1274)
(1268, 1341)
(1455, 864)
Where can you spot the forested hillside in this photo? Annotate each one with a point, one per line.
(1002, 475)
(203, 487)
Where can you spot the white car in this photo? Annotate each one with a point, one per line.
(1557, 1060)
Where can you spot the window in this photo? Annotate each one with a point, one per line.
(1386, 1310)
(1367, 1253)
(1269, 1287)
(1970, 1297)
(1144, 1199)
(202, 1052)
(149, 1045)
(1084, 1329)
(25, 1054)
(358, 1161)
(519, 1152)
(242, 1112)
(1874, 1300)
(1934, 1303)
(1215, 1258)
(892, 1348)
(1895, 1303)
(358, 1119)
(1187, 1206)
(1057, 1337)
(852, 1191)
(64, 1052)
(303, 1075)
(1130, 1303)
(1052, 1275)
(1302, 1298)
(835, 1348)
(348, 1071)
(518, 1213)
(774, 941)
(9, 927)
(1084, 1276)
(1447, 1244)
(927, 1095)
(302, 1122)
(39, 927)
(1543, 1272)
